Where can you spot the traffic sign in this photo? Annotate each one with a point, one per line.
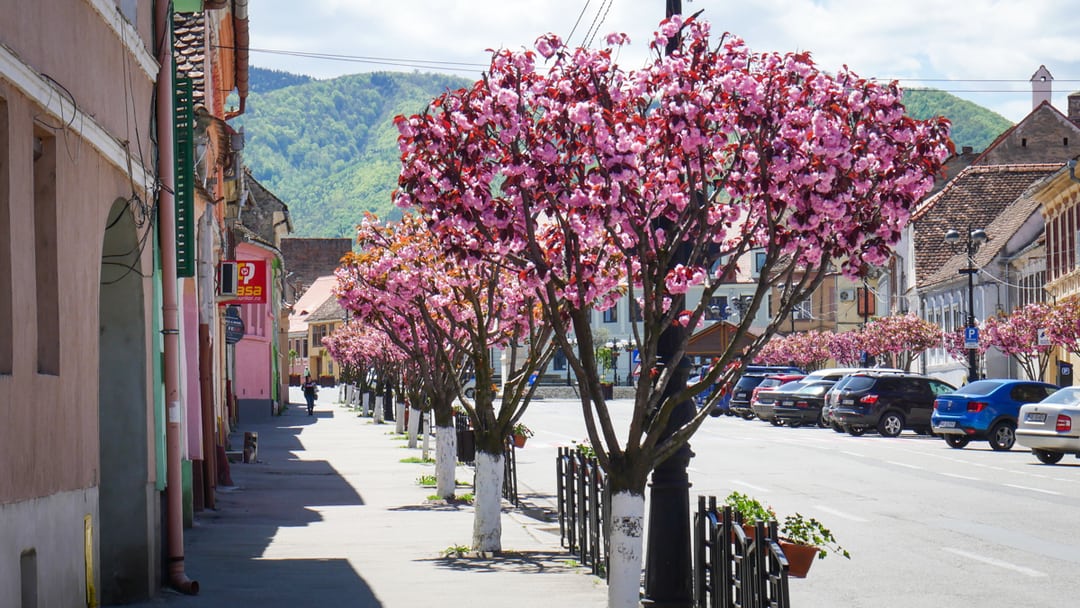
(971, 337)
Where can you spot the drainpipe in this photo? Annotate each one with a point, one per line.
(170, 311)
(242, 30)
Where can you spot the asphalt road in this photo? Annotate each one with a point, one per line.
(926, 525)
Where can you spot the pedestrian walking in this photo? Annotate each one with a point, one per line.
(310, 392)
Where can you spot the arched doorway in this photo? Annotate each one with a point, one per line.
(126, 499)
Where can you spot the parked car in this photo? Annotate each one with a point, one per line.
(886, 401)
(764, 394)
(1051, 427)
(835, 374)
(986, 409)
(751, 377)
(803, 406)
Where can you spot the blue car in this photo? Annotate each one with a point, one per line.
(985, 409)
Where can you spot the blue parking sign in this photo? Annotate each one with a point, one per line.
(971, 337)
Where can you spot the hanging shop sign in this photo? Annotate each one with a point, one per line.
(243, 281)
(234, 325)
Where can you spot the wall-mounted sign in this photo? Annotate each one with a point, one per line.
(249, 277)
(234, 325)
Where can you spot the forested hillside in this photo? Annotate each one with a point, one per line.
(328, 148)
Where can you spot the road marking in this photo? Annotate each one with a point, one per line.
(1033, 489)
(960, 476)
(904, 464)
(739, 482)
(996, 562)
(856, 454)
(841, 514)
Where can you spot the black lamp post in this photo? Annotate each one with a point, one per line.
(969, 245)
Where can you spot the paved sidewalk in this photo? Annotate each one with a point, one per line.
(330, 516)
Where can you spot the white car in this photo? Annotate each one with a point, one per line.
(1051, 427)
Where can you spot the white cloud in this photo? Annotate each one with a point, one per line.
(978, 40)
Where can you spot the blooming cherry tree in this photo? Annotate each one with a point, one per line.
(598, 183)
(898, 340)
(1018, 335)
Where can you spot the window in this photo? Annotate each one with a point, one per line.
(611, 315)
(635, 312)
(759, 262)
(558, 362)
(803, 311)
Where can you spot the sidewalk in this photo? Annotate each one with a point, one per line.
(329, 516)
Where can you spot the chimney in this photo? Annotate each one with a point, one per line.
(1041, 86)
(1074, 107)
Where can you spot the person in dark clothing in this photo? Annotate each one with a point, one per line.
(310, 392)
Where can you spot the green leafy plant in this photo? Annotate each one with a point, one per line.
(750, 508)
(426, 480)
(803, 530)
(417, 460)
(521, 429)
(455, 551)
(585, 449)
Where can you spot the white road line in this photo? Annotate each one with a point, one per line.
(1033, 489)
(740, 482)
(905, 465)
(841, 514)
(851, 453)
(960, 476)
(996, 562)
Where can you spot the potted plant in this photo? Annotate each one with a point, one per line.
(802, 538)
(519, 434)
(750, 509)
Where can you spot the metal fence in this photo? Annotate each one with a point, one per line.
(735, 567)
(584, 508)
(510, 479)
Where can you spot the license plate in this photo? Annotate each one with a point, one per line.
(947, 424)
(1034, 417)
(847, 402)
(787, 403)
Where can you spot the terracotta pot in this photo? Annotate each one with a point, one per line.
(519, 440)
(800, 558)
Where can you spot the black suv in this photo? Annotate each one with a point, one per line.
(887, 401)
(752, 376)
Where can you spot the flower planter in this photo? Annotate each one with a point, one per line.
(800, 558)
(518, 440)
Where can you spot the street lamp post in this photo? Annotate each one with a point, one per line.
(969, 245)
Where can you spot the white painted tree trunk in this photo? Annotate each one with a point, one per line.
(377, 408)
(627, 532)
(425, 452)
(369, 397)
(414, 426)
(445, 461)
(487, 521)
(399, 414)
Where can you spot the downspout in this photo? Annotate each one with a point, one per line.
(170, 311)
(242, 42)
(206, 375)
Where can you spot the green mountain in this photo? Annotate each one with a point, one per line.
(328, 148)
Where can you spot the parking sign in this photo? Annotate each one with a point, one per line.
(971, 337)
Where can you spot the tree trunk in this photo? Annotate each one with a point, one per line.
(487, 523)
(377, 410)
(414, 426)
(627, 534)
(399, 413)
(445, 461)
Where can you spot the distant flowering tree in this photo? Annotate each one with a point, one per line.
(598, 183)
(808, 350)
(1063, 324)
(954, 344)
(898, 340)
(1017, 335)
(847, 348)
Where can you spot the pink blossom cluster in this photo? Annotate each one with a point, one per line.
(899, 339)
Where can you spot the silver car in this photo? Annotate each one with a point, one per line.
(1051, 427)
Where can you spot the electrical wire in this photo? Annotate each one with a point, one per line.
(584, 8)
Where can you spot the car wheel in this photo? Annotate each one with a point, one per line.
(470, 393)
(794, 423)
(821, 421)
(891, 424)
(855, 431)
(747, 415)
(1048, 457)
(925, 430)
(1002, 436)
(836, 427)
(956, 441)
(775, 422)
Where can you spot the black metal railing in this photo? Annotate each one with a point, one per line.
(737, 567)
(510, 479)
(584, 508)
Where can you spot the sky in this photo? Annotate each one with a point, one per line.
(981, 50)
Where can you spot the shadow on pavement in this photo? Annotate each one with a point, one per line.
(527, 562)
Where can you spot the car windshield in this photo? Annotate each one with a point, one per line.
(815, 389)
(979, 387)
(858, 383)
(1066, 396)
(787, 387)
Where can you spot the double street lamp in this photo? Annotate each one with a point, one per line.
(615, 347)
(969, 245)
